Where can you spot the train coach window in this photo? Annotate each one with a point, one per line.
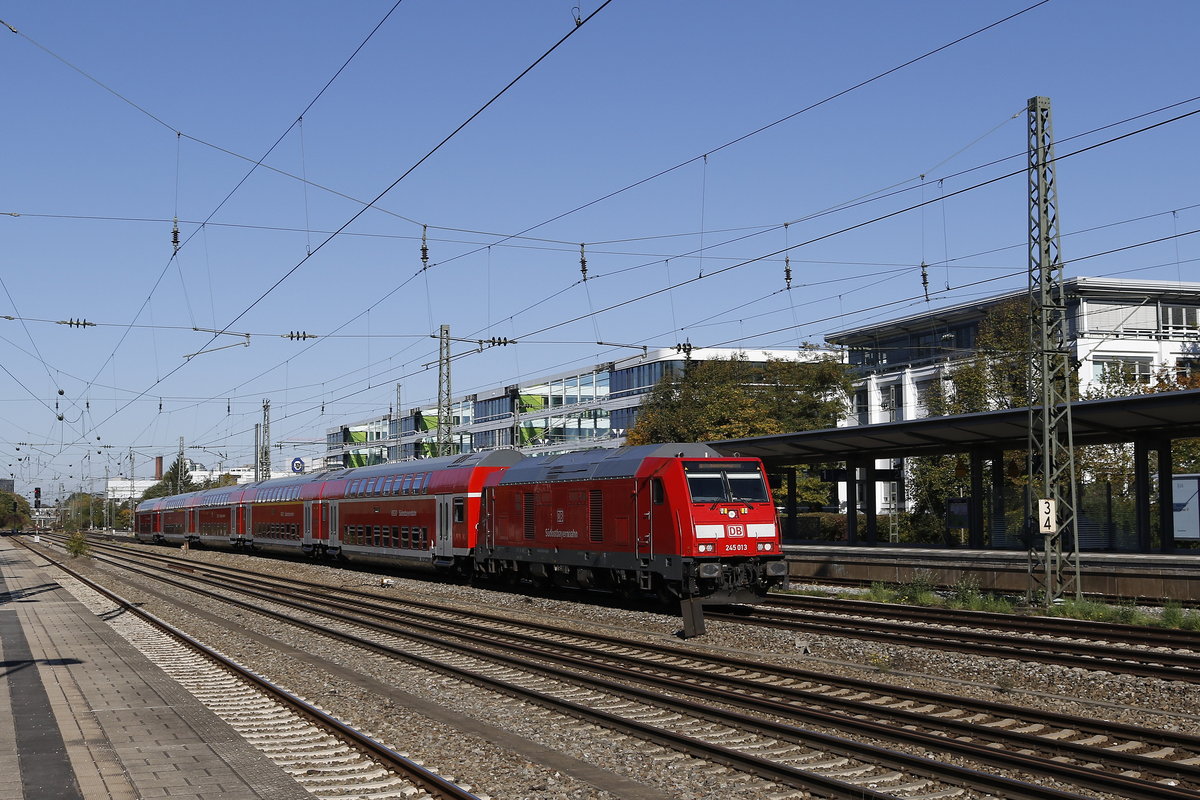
(725, 482)
(404, 536)
(460, 510)
(707, 488)
(408, 482)
(747, 487)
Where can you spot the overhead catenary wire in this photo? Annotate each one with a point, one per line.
(840, 315)
(785, 256)
(940, 199)
(392, 185)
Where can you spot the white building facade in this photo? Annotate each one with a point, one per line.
(577, 409)
(1138, 327)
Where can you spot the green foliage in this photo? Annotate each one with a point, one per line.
(1125, 613)
(822, 526)
(734, 398)
(10, 519)
(918, 590)
(880, 592)
(224, 479)
(966, 592)
(992, 378)
(176, 480)
(77, 545)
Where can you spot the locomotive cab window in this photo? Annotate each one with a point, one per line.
(657, 495)
(725, 482)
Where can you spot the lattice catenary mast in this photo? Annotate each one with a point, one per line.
(444, 410)
(1054, 544)
(264, 446)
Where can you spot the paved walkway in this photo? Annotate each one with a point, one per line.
(85, 715)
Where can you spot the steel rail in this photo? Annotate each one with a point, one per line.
(1141, 635)
(428, 781)
(1009, 787)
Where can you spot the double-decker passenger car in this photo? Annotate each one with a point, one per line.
(677, 520)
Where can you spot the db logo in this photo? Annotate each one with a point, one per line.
(735, 530)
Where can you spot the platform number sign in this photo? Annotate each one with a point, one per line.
(1047, 520)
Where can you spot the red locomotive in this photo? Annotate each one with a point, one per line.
(678, 520)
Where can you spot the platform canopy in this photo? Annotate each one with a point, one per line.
(1162, 416)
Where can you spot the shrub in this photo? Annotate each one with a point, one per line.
(966, 593)
(880, 593)
(918, 590)
(77, 544)
(1171, 616)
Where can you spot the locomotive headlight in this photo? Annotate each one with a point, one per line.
(732, 513)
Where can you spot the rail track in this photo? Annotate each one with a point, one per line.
(1061, 644)
(765, 705)
(324, 755)
(1108, 632)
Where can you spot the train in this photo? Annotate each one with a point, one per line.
(670, 520)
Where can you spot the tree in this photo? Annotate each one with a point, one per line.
(1113, 463)
(224, 479)
(994, 377)
(734, 398)
(14, 511)
(176, 480)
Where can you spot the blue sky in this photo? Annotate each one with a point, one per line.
(120, 117)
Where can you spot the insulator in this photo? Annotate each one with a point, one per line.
(582, 262)
(424, 249)
(787, 270)
(925, 280)
(175, 234)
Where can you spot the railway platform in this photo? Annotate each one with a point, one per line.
(85, 715)
(1154, 577)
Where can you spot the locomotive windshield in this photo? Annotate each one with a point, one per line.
(725, 482)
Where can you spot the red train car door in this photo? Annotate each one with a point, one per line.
(643, 520)
(443, 544)
(320, 521)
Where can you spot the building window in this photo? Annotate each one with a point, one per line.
(1180, 319)
(1187, 367)
(891, 402)
(1130, 367)
(862, 407)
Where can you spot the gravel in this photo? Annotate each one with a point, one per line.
(467, 733)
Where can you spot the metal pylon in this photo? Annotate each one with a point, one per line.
(1054, 540)
(264, 448)
(444, 412)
